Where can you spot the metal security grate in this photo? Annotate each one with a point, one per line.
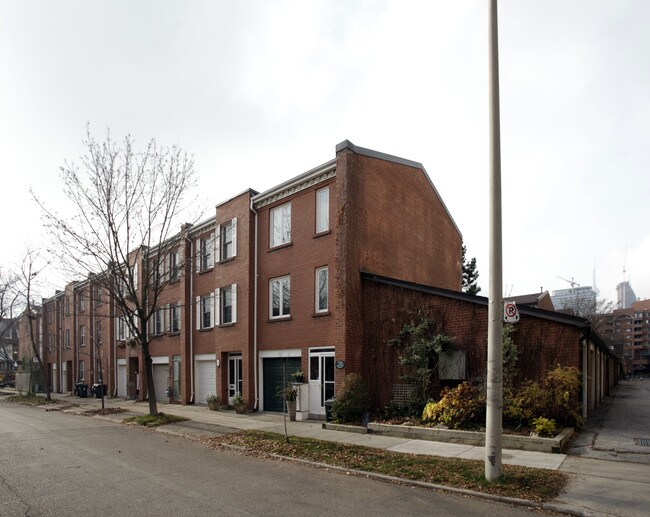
(402, 393)
(645, 442)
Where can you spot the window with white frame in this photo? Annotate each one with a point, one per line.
(228, 240)
(322, 210)
(67, 338)
(174, 271)
(98, 333)
(175, 318)
(82, 335)
(121, 328)
(280, 297)
(205, 311)
(280, 225)
(50, 343)
(159, 322)
(82, 371)
(67, 306)
(227, 300)
(206, 253)
(82, 302)
(322, 289)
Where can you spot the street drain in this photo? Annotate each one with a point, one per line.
(645, 442)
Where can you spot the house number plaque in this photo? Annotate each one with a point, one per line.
(340, 364)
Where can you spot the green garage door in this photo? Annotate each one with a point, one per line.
(274, 370)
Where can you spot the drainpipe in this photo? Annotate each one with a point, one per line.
(255, 373)
(191, 329)
(585, 386)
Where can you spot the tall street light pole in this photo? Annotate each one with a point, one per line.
(493, 424)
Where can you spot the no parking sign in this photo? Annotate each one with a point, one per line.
(510, 312)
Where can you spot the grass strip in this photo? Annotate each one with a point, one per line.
(153, 421)
(520, 482)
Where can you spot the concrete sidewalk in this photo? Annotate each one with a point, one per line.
(597, 487)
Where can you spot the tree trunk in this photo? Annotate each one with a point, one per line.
(148, 368)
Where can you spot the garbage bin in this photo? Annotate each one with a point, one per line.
(82, 389)
(328, 409)
(98, 390)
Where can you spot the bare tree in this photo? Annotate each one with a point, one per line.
(9, 305)
(124, 205)
(30, 268)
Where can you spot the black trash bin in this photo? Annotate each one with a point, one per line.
(328, 409)
(99, 390)
(82, 389)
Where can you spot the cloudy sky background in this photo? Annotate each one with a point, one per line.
(261, 91)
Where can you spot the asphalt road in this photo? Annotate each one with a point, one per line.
(60, 464)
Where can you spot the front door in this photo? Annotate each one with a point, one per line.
(321, 379)
(234, 376)
(177, 378)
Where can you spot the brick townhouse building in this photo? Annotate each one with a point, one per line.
(270, 284)
(287, 280)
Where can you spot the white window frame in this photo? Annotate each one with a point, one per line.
(121, 328)
(317, 301)
(222, 242)
(67, 338)
(175, 318)
(159, 322)
(283, 235)
(323, 210)
(206, 253)
(222, 298)
(82, 335)
(280, 282)
(174, 269)
(204, 307)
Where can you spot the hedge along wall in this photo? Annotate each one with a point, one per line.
(387, 308)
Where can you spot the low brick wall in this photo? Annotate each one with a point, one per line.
(510, 441)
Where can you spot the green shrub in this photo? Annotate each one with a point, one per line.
(523, 404)
(563, 387)
(544, 426)
(353, 400)
(462, 406)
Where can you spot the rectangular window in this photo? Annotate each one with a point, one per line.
(82, 335)
(226, 305)
(67, 306)
(67, 338)
(50, 343)
(82, 371)
(174, 271)
(159, 321)
(322, 290)
(281, 225)
(98, 333)
(121, 328)
(175, 318)
(82, 302)
(322, 210)
(207, 253)
(228, 232)
(207, 308)
(280, 297)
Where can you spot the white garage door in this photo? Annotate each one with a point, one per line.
(160, 376)
(121, 380)
(205, 380)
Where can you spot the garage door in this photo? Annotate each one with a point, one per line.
(121, 380)
(160, 376)
(274, 370)
(205, 380)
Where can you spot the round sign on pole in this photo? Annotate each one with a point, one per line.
(510, 312)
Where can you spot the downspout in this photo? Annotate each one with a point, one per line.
(585, 365)
(255, 373)
(191, 328)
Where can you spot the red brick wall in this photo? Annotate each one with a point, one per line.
(540, 343)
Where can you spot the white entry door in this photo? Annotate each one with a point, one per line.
(321, 379)
(161, 381)
(121, 380)
(235, 372)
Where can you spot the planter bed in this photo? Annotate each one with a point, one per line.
(510, 441)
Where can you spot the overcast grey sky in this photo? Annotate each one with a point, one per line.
(260, 91)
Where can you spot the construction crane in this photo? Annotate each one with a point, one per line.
(572, 282)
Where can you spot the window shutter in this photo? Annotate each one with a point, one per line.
(234, 237)
(212, 309)
(211, 241)
(198, 313)
(168, 318)
(217, 304)
(233, 292)
(217, 244)
(197, 254)
(135, 277)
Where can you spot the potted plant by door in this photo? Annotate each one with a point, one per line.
(290, 394)
(213, 401)
(298, 377)
(239, 404)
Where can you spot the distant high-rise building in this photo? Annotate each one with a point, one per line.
(625, 296)
(628, 330)
(579, 301)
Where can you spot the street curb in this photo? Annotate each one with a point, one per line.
(556, 507)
